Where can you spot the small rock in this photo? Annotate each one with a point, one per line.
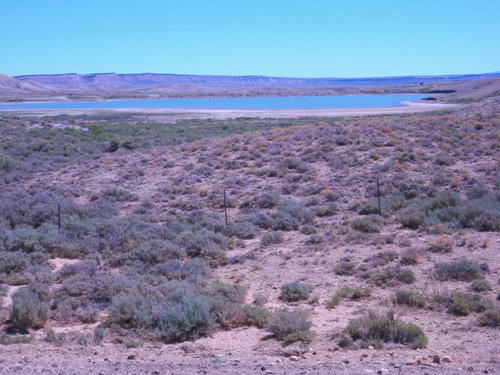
(294, 358)
(446, 359)
(131, 357)
(345, 361)
(371, 348)
(436, 359)
(410, 363)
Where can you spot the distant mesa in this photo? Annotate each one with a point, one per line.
(128, 81)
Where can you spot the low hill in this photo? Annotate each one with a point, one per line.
(9, 85)
(127, 81)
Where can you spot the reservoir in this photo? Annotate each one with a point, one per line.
(257, 103)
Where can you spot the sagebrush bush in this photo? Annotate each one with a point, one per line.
(368, 224)
(327, 211)
(462, 304)
(244, 230)
(384, 328)
(480, 286)
(409, 298)
(308, 229)
(489, 318)
(440, 245)
(290, 215)
(290, 326)
(267, 200)
(295, 291)
(353, 293)
(29, 309)
(345, 267)
(271, 239)
(460, 270)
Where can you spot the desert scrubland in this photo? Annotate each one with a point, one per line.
(352, 244)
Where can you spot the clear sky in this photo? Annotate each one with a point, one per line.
(293, 38)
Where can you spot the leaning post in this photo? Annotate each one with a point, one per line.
(378, 195)
(225, 206)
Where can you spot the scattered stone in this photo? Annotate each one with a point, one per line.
(371, 348)
(294, 358)
(131, 357)
(436, 359)
(446, 359)
(345, 360)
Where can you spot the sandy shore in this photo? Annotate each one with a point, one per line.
(409, 107)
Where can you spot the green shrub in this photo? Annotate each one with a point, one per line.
(345, 267)
(327, 211)
(314, 239)
(119, 195)
(256, 316)
(462, 304)
(12, 340)
(290, 326)
(366, 224)
(244, 230)
(179, 270)
(188, 317)
(461, 270)
(353, 293)
(182, 316)
(390, 276)
(308, 229)
(480, 286)
(271, 239)
(295, 291)
(268, 200)
(290, 215)
(7, 164)
(412, 217)
(55, 338)
(382, 258)
(385, 329)
(409, 298)
(29, 309)
(489, 318)
(333, 302)
(261, 219)
(410, 256)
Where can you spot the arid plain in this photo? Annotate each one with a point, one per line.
(356, 242)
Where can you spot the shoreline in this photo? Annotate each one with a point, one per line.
(408, 107)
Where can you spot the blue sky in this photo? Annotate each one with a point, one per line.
(314, 38)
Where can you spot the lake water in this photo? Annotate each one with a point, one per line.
(289, 102)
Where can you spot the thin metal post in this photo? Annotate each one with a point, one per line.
(59, 216)
(378, 195)
(225, 206)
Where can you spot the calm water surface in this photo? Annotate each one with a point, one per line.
(289, 102)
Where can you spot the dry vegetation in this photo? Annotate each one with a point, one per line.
(306, 268)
